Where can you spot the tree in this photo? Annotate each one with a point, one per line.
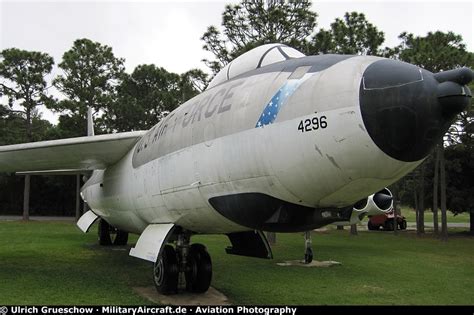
(90, 76)
(436, 52)
(192, 83)
(148, 95)
(352, 35)
(253, 23)
(23, 81)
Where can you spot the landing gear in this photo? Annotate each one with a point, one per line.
(188, 267)
(308, 254)
(198, 269)
(166, 271)
(108, 235)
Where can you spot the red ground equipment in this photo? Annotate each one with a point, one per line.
(386, 222)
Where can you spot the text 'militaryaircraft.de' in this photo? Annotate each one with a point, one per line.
(279, 141)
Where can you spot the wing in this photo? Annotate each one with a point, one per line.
(84, 153)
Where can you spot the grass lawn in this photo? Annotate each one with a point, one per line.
(54, 263)
(411, 216)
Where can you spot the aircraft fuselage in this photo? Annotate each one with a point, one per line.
(284, 147)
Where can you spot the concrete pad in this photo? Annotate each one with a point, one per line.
(211, 297)
(314, 263)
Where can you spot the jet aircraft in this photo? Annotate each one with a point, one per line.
(279, 141)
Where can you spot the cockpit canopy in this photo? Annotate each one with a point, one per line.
(253, 59)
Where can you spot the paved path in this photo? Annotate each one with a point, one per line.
(450, 225)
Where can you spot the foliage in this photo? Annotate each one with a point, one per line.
(434, 52)
(254, 23)
(460, 178)
(148, 94)
(22, 75)
(192, 83)
(90, 76)
(353, 35)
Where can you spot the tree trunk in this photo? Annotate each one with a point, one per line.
(435, 193)
(471, 221)
(442, 179)
(353, 229)
(421, 201)
(271, 238)
(415, 197)
(26, 199)
(29, 134)
(78, 197)
(26, 191)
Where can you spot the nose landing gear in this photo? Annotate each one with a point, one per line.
(308, 254)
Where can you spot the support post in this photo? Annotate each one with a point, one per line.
(26, 199)
(78, 197)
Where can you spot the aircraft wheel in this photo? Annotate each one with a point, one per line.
(198, 269)
(104, 233)
(389, 225)
(165, 271)
(308, 256)
(403, 225)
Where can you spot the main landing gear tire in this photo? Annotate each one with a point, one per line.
(108, 235)
(308, 256)
(198, 269)
(166, 271)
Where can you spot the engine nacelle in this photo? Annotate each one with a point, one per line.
(379, 203)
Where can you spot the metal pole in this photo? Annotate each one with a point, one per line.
(26, 199)
(78, 197)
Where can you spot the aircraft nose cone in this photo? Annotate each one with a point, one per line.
(406, 110)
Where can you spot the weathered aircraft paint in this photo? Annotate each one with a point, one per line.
(278, 142)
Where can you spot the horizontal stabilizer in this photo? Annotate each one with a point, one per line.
(83, 153)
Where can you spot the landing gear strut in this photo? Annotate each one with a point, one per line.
(187, 267)
(308, 254)
(108, 235)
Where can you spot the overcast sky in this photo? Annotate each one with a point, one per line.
(167, 33)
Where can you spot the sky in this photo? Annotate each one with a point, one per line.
(167, 33)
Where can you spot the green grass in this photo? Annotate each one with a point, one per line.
(411, 216)
(54, 263)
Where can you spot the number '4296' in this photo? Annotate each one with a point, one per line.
(313, 124)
